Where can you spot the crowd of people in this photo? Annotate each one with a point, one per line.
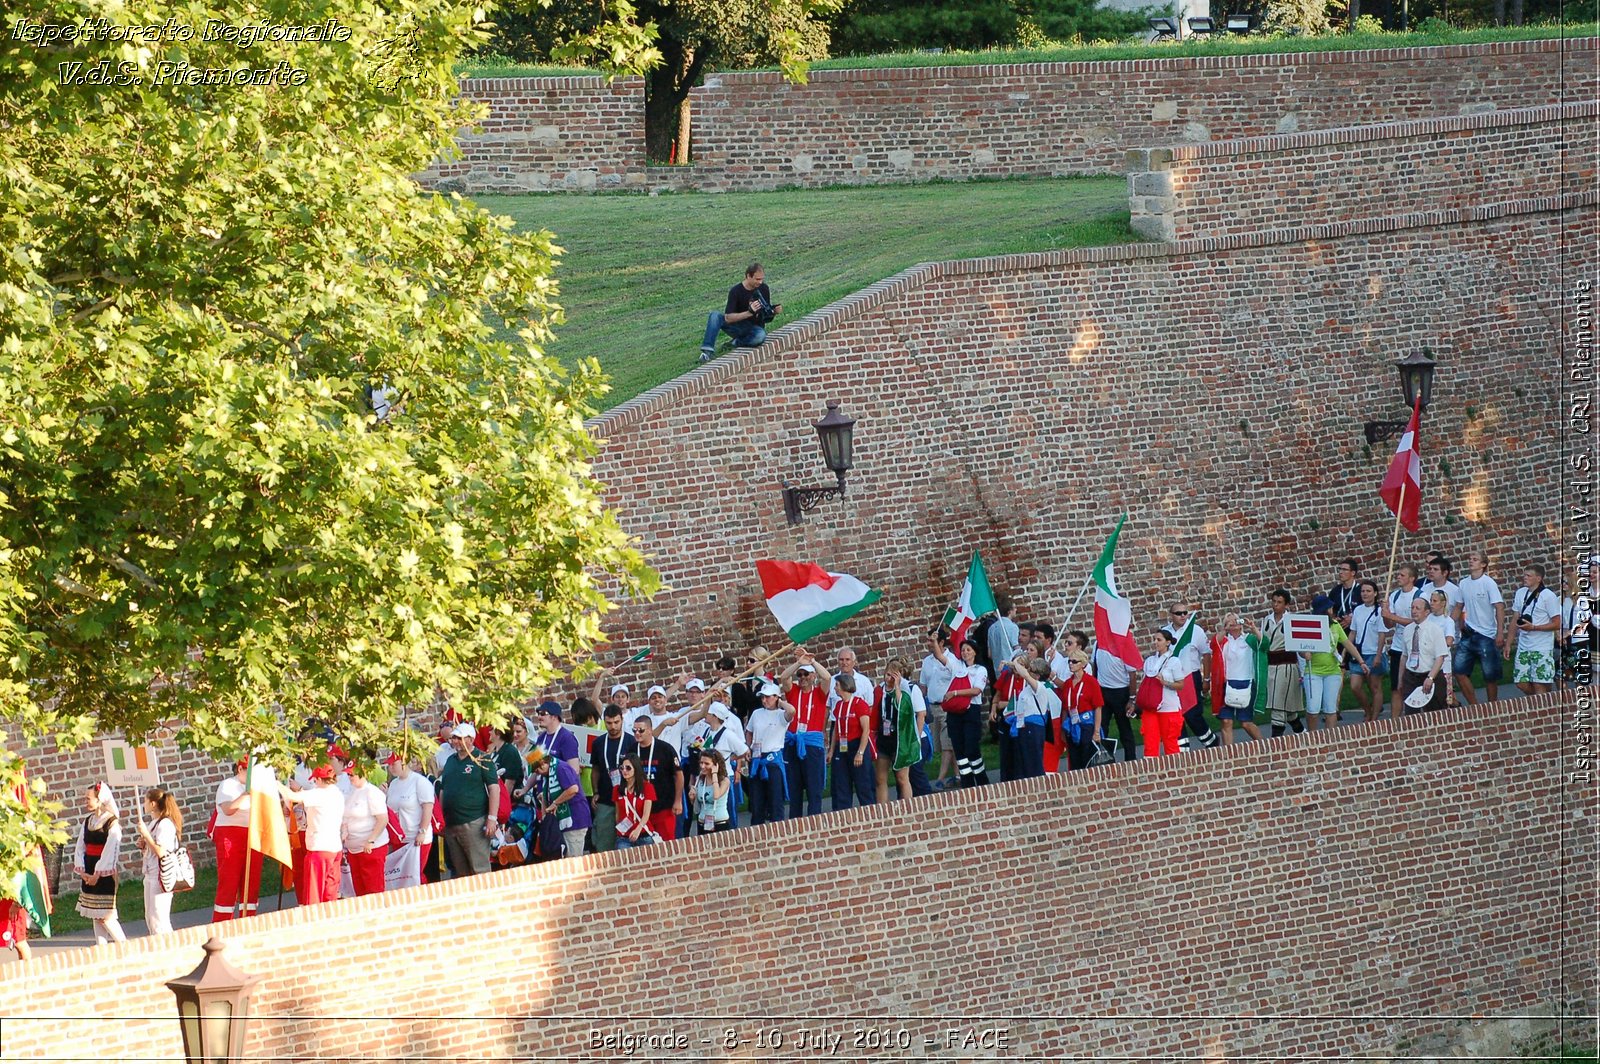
(764, 740)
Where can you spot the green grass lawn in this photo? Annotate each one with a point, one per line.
(641, 273)
(130, 897)
(493, 66)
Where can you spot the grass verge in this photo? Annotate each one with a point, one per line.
(130, 898)
(641, 273)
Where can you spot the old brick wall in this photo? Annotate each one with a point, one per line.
(758, 131)
(1213, 389)
(1363, 891)
(1339, 175)
(549, 134)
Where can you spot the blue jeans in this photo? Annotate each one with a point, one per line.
(644, 840)
(806, 770)
(852, 780)
(1475, 647)
(745, 333)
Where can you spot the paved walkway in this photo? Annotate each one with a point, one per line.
(195, 917)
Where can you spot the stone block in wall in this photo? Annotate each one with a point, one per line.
(1160, 227)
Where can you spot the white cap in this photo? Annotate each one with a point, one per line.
(807, 668)
(695, 684)
(655, 689)
(619, 687)
(770, 689)
(464, 731)
(718, 710)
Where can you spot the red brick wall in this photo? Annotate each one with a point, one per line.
(549, 134)
(1328, 895)
(1214, 389)
(757, 131)
(1338, 175)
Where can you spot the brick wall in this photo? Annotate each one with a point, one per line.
(549, 134)
(1214, 389)
(1338, 175)
(1361, 891)
(758, 131)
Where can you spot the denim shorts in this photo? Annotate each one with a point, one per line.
(1375, 664)
(1244, 713)
(1474, 646)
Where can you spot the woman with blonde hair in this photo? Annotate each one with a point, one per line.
(157, 839)
(95, 861)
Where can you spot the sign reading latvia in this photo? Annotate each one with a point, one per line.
(130, 766)
(1306, 632)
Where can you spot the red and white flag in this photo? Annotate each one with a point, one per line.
(1402, 484)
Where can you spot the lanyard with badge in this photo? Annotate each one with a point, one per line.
(612, 760)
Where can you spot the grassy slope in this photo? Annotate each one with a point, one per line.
(641, 272)
(495, 66)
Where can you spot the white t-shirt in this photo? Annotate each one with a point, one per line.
(1400, 603)
(935, 676)
(324, 808)
(1452, 595)
(1193, 650)
(1060, 667)
(407, 797)
(1110, 670)
(166, 835)
(1545, 609)
(227, 791)
(1479, 596)
(1447, 625)
(973, 675)
(672, 735)
(730, 743)
(1238, 660)
(442, 755)
(1366, 629)
(1166, 667)
(767, 729)
(364, 808)
(863, 689)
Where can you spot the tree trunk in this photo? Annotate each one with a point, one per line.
(1352, 12)
(1516, 12)
(666, 100)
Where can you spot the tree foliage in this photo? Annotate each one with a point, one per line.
(203, 519)
(868, 26)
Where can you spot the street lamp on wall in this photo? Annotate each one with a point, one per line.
(211, 1008)
(1416, 382)
(836, 433)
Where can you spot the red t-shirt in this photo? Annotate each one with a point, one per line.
(847, 716)
(1084, 696)
(811, 709)
(630, 807)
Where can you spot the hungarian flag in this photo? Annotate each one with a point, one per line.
(269, 834)
(1402, 484)
(1113, 616)
(977, 599)
(807, 600)
(1189, 696)
(30, 886)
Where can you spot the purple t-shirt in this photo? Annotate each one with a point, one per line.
(567, 776)
(563, 746)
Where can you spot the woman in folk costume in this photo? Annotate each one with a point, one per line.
(1285, 692)
(95, 862)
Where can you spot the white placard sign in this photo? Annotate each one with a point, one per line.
(1306, 632)
(130, 766)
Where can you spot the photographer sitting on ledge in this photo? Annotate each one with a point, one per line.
(749, 309)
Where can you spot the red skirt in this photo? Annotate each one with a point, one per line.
(13, 924)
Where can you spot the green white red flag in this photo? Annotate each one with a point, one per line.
(1113, 614)
(807, 600)
(977, 599)
(1189, 696)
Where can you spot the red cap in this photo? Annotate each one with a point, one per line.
(323, 772)
(393, 759)
(337, 751)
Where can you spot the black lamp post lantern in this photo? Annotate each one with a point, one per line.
(211, 1008)
(837, 436)
(1416, 381)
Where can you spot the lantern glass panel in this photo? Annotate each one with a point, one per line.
(189, 1020)
(836, 447)
(218, 1026)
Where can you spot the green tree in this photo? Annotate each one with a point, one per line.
(204, 518)
(869, 26)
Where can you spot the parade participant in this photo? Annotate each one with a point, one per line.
(850, 745)
(230, 833)
(725, 735)
(468, 792)
(964, 716)
(1396, 612)
(937, 673)
(1423, 656)
(1368, 632)
(411, 797)
(636, 799)
(156, 840)
(1163, 727)
(1239, 680)
(364, 832)
(324, 813)
(1325, 669)
(1531, 636)
(659, 763)
(553, 737)
(766, 733)
(605, 778)
(804, 747)
(556, 792)
(1027, 713)
(903, 716)
(1116, 687)
(1285, 693)
(1082, 703)
(711, 794)
(95, 862)
(1194, 658)
(1483, 615)
(509, 767)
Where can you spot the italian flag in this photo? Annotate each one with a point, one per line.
(807, 600)
(977, 599)
(1189, 697)
(1113, 614)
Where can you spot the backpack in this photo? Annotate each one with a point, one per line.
(979, 638)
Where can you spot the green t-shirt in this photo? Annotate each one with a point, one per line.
(463, 788)
(1326, 662)
(512, 768)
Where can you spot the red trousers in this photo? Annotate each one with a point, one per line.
(320, 879)
(366, 871)
(665, 824)
(1161, 733)
(233, 843)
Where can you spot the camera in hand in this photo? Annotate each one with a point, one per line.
(762, 310)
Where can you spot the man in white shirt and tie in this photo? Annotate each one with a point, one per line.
(1422, 656)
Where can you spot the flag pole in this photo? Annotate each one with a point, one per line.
(244, 884)
(1394, 544)
(1073, 609)
(705, 699)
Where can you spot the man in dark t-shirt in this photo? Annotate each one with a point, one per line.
(745, 318)
(662, 770)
